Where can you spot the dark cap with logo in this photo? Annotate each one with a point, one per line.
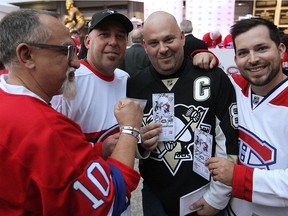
(102, 15)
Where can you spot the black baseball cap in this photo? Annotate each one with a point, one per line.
(102, 15)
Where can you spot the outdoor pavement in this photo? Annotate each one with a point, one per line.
(136, 201)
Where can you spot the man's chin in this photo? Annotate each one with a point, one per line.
(69, 90)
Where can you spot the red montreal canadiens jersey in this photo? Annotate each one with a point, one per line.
(47, 166)
(263, 135)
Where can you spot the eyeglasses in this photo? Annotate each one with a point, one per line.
(70, 49)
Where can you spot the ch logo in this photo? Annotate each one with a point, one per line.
(255, 152)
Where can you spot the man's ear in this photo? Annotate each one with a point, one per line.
(282, 49)
(87, 41)
(24, 55)
(183, 38)
(143, 43)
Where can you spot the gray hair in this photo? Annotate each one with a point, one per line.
(137, 35)
(186, 26)
(22, 26)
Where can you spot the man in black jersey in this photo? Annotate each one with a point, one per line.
(204, 104)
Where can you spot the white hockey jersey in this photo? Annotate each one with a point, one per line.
(263, 135)
(93, 107)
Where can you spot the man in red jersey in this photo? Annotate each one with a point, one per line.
(47, 166)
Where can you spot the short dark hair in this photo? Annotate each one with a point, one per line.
(247, 24)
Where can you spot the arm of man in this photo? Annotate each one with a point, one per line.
(204, 59)
(264, 187)
(100, 186)
(226, 138)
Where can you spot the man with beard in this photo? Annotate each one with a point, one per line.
(47, 166)
(259, 180)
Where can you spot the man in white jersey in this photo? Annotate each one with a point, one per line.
(100, 84)
(259, 180)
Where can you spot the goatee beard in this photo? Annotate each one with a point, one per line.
(68, 88)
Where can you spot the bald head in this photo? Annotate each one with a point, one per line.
(163, 41)
(160, 19)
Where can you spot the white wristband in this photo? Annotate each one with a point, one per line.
(131, 132)
(130, 128)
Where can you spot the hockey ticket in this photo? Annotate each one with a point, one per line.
(202, 152)
(163, 111)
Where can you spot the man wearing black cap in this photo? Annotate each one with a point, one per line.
(100, 83)
(110, 15)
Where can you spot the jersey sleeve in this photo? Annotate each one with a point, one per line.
(100, 186)
(227, 116)
(226, 135)
(264, 187)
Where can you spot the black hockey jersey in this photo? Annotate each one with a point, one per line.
(204, 100)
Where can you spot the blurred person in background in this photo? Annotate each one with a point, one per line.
(191, 42)
(136, 58)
